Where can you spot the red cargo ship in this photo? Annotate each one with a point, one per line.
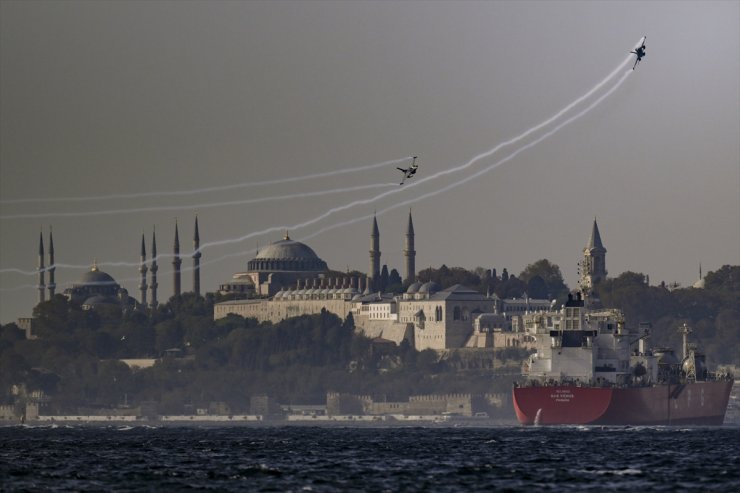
(588, 369)
(700, 403)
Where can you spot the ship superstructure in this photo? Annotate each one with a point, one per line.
(590, 368)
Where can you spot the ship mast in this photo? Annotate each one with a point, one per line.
(685, 330)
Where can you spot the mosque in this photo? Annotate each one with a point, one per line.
(287, 279)
(277, 265)
(426, 316)
(97, 288)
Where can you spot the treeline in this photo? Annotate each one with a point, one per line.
(541, 279)
(713, 312)
(76, 359)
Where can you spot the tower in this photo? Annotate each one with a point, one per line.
(142, 271)
(52, 267)
(409, 253)
(196, 259)
(41, 286)
(374, 272)
(593, 269)
(176, 262)
(153, 269)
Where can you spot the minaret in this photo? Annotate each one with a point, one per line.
(142, 271)
(52, 266)
(176, 261)
(409, 253)
(593, 269)
(374, 272)
(196, 259)
(41, 287)
(153, 269)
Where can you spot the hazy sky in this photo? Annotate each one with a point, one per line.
(101, 98)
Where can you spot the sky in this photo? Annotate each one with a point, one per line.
(102, 99)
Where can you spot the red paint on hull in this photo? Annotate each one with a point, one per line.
(700, 403)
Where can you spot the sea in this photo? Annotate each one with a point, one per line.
(393, 459)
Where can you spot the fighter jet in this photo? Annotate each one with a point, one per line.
(640, 52)
(410, 171)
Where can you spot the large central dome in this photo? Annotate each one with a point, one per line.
(96, 277)
(287, 255)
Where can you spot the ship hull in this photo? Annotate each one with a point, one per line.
(700, 403)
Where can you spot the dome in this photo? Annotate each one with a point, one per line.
(413, 288)
(287, 255)
(430, 287)
(97, 277)
(286, 249)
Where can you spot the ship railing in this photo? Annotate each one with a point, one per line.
(720, 375)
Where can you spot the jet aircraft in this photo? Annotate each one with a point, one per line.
(640, 52)
(410, 171)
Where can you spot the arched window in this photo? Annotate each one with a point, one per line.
(456, 313)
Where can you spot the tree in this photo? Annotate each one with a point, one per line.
(169, 334)
(511, 288)
(449, 276)
(395, 284)
(537, 288)
(726, 278)
(384, 278)
(549, 273)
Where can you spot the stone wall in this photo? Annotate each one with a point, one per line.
(275, 311)
(459, 404)
(393, 331)
(7, 413)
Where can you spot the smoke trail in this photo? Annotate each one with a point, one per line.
(439, 173)
(198, 206)
(209, 189)
(19, 288)
(480, 172)
(386, 209)
(421, 197)
(317, 175)
(425, 179)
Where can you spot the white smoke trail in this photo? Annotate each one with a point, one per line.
(478, 173)
(394, 206)
(207, 205)
(430, 177)
(422, 180)
(208, 189)
(426, 195)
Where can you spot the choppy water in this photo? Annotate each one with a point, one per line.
(370, 459)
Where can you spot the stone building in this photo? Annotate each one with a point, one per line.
(442, 318)
(428, 317)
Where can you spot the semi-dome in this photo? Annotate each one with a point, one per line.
(287, 255)
(429, 287)
(414, 288)
(98, 300)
